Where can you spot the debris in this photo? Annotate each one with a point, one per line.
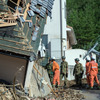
(62, 94)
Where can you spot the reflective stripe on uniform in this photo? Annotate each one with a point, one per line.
(93, 67)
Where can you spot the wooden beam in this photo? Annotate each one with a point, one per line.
(14, 3)
(15, 48)
(10, 18)
(14, 41)
(18, 2)
(7, 24)
(2, 22)
(25, 13)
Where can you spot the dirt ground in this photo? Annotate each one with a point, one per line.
(75, 93)
(72, 92)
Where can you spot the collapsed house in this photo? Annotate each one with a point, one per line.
(21, 26)
(31, 31)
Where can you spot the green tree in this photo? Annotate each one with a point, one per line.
(84, 17)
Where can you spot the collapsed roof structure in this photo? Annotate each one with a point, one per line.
(21, 25)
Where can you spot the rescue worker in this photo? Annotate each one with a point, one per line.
(49, 67)
(64, 71)
(56, 78)
(93, 71)
(87, 70)
(78, 72)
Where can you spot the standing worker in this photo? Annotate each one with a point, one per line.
(64, 71)
(93, 71)
(78, 72)
(49, 67)
(56, 73)
(87, 70)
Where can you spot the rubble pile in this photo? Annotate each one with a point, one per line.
(5, 94)
(63, 94)
(70, 94)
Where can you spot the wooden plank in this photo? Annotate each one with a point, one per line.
(3, 22)
(10, 18)
(14, 41)
(15, 48)
(18, 2)
(25, 13)
(7, 24)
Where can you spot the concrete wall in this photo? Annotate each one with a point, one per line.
(37, 89)
(9, 66)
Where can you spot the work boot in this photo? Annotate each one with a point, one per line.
(99, 86)
(88, 87)
(91, 88)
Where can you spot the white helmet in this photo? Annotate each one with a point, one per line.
(93, 58)
(88, 58)
(53, 58)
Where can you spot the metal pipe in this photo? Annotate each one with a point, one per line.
(61, 26)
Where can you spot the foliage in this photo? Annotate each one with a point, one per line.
(84, 17)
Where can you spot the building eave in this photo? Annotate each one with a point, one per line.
(71, 35)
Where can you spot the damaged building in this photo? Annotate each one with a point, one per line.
(32, 31)
(21, 27)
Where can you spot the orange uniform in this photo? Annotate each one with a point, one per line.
(93, 71)
(87, 72)
(56, 73)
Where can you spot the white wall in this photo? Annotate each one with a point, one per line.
(28, 74)
(56, 48)
(70, 58)
(64, 19)
(53, 28)
(75, 53)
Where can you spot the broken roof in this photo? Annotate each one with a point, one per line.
(30, 18)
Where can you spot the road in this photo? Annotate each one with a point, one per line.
(91, 94)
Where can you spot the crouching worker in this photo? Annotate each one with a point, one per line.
(49, 70)
(78, 72)
(56, 73)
